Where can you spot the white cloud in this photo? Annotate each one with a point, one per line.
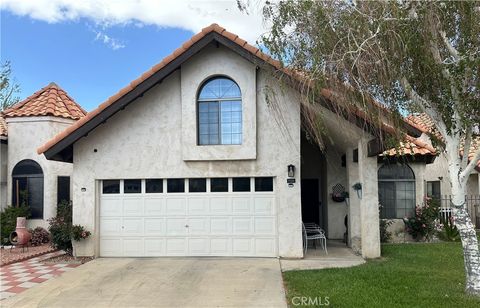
(107, 40)
(185, 14)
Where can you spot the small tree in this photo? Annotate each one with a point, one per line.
(8, 87)
(410, 56)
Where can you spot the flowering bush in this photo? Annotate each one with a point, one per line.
(423, 224)
(79, 233)
(39, 236)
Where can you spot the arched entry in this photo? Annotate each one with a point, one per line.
(27, 187)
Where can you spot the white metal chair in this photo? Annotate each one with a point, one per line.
(313, 232)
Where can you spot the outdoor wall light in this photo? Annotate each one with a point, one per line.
(291, 171)
(358, 188)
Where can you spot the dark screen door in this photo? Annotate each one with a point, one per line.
(310, 201)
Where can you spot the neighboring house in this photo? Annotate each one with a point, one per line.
(436, 175)
(191, 159)
(423, 175)
(26, 177)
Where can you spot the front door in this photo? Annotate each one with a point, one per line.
(310, 201)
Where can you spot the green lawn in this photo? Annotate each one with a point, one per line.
(408, 275)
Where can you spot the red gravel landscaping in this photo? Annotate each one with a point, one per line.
(17, 254)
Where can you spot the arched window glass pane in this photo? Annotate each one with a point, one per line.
(219, 112)
(219, 88)
(395, 171)
(396, 191)
(27, 187)
(27, 166)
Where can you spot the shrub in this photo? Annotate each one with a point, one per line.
(63, 231)
(385, 235)
(422, 225)
(39, 236)
(8, 220)
(60, 227)
(79, 233)
(448, 231)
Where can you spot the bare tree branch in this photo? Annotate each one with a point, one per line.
(424, 105)
(466, 173)
(453, 51)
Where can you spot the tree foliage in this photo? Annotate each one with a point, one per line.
(8, 87)
(386, 50)
(409, 56)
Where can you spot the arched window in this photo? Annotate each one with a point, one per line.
(396, 191)
(219, 112)
(27, 187)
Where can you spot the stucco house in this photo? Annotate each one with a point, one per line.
(436, 173)
(191, 159)
(26, 177)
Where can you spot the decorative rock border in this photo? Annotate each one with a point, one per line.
(27, 257)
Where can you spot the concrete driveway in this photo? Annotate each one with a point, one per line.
(161, 282)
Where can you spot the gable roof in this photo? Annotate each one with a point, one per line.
(60, 147)
(3, 127)
(48, 101)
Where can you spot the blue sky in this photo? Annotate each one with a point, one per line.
(93, 48)
(70, 55)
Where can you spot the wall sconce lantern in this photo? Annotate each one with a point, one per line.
(291, 171)
(358, 188)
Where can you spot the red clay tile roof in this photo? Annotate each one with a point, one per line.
(48, 101)
(3, 126)
(212, 28)
(426, 125)
(411, 146)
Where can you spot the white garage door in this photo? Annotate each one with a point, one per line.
(182, 217)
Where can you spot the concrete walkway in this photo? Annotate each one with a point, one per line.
(338, 256)
(161, 282)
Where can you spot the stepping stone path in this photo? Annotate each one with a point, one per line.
(18, 277)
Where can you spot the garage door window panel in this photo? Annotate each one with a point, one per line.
(197, 185)
(132, 186)
(153, 186)
(176, 185)
(264, 184)
(241, 184)
(219, 185)
(111, 186)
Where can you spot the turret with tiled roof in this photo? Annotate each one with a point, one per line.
(48, 101)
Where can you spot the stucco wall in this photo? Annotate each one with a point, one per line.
(419, 171)
(439, 169)
(3, 175)
(336, 174)
(213, 61)
(25, 135)
(145, 141)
